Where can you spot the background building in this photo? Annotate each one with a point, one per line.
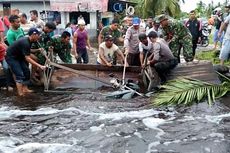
(64, 11)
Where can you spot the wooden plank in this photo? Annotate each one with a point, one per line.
(203, 71)
(94, 67)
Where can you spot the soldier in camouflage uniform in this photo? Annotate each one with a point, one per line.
(111, 30)
(43, 43)
(62, 47)
(178, 36)
(38, 49)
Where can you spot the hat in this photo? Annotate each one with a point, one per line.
(108, 37)
(115, 21)
(81, 22)
(156, 21)
(161, 18)
(33, 31)
(136, 21)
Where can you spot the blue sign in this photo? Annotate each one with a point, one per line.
(117, 7)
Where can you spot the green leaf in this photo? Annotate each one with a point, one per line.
(186, 91)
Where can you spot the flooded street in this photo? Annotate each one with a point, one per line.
(89, 123)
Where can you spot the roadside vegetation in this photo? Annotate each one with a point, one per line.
(211, 55)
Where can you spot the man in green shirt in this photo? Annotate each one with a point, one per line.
(62, 47)
(43, 43)
(15, 32)
(111, 30)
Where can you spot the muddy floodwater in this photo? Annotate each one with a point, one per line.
(85, 121)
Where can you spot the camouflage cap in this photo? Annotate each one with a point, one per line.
(161, 18)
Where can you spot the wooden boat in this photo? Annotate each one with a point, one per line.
(96, 76)
(202, 70)
(101, 75)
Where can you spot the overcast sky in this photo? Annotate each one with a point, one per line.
(191, 4)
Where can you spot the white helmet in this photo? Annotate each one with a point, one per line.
(81, 22)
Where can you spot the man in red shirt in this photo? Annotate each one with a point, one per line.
(5, 66)
(2, 29)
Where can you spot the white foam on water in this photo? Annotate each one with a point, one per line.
(187, 118)
(7, 143)
(10, 145)
(217, 141)
(95, 128)
(6, 113)
(153, 123)
(207, 149)
(216, 119)
(194, 139)
(44, 148)
(167, 143)
(204, 138)
(138, 134)
(128, 136)
(132, 114)
(153, 145)
(219, 135)
(170, 142)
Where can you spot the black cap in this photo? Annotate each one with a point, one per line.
(142, 36)
(108, 37)
(115, 21)
(33, 31)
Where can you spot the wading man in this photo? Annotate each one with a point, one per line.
(18, 56)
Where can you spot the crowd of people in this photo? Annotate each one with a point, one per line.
(158, 44)
(24, 41)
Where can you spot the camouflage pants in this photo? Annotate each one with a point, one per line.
(41, 58)
(186, 44)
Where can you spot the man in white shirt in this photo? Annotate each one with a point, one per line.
(225, 50)
(108, 51)
(24, 24)
(36, 20)
(145, 47)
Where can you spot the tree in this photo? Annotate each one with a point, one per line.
(147, 8)
(200, 8)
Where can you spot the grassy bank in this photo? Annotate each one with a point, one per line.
(212, 55)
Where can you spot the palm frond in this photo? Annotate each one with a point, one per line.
(186, 91)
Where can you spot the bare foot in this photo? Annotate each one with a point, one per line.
(25, 89)
(21, 94)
